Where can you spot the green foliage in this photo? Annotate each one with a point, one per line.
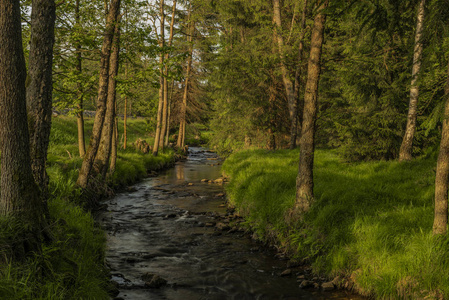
(371, 221)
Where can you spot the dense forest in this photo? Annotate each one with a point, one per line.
(366, 81)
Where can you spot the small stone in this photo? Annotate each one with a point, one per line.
(337, 281)
(222, 205)
(209, 224)
(153, 281)
(316, 285)
(204, 180)
(327, 286)
(190, 184)
(301, 277)
(305, 284)
(222, 226)
(287, 272)
(219, 195)
(219, 180)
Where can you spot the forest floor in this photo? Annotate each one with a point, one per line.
(370, 227)
(72, 265)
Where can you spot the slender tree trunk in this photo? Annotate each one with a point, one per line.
(19, 197)
(297, 105)
(157, 137)
(125, 123)
(405, 152)
(167, 136)
(114, 146)
(166, 105)
(304, 180)
(86, 167)
(442, 176)
(40, 86)
(104, 150)
(289, 88)
(80, 95)
(182, 126)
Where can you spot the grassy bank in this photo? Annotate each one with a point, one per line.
(72, 266)
(371, 222)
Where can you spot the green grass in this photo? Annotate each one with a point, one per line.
(72, 266)
(371, 221)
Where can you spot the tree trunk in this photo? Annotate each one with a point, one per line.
(166, 104)
(289, 89)
(297, 106)
(304, 180)
(80, 112)
(405, 152)
(157, 137)
(104, 150)
(114, 147)
(19, 197)
(167, 136)
(125, 123)
(86, 167)
(182, 126)
(40, 86)
(442, 176)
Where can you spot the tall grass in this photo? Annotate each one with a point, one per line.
(72, 265)
(371, 222)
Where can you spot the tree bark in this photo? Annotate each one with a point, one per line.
(289, 88)
(104, 150)
(304, 180)
(442, 175)
(157, 137)
(405, 152)
(297, 105)
(19, 197)
(86, 167)
(79, 65)
(40, 86)
(113, 163)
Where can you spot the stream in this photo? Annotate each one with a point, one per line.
(173, 227)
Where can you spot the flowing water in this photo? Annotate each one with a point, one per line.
(166, 225)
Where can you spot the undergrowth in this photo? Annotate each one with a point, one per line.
(371, 222)
(72, 265)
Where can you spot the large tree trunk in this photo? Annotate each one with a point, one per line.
(442, 176)
(104, 150)
(157, 137)
(297, 105)
(289, 88)
(80, 93)
(86, 167)
(405, 152)
(19, 197)
(40, 86)
(304, 180)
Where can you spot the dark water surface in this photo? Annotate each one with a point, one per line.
(161, 226)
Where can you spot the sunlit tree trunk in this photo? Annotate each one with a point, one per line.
(166, 104)
(405, 152)
(40, 86)
(19, 197)
(104, 150)
(114, 146)
(304, 180)
(442, 175)
(94, 142)
(167, 134)
(297, 104)
(157, 137)
(80, 109)
(182, 125)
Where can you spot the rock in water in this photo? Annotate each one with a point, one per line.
(327, 286)
(153, 281)
(287, 272)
